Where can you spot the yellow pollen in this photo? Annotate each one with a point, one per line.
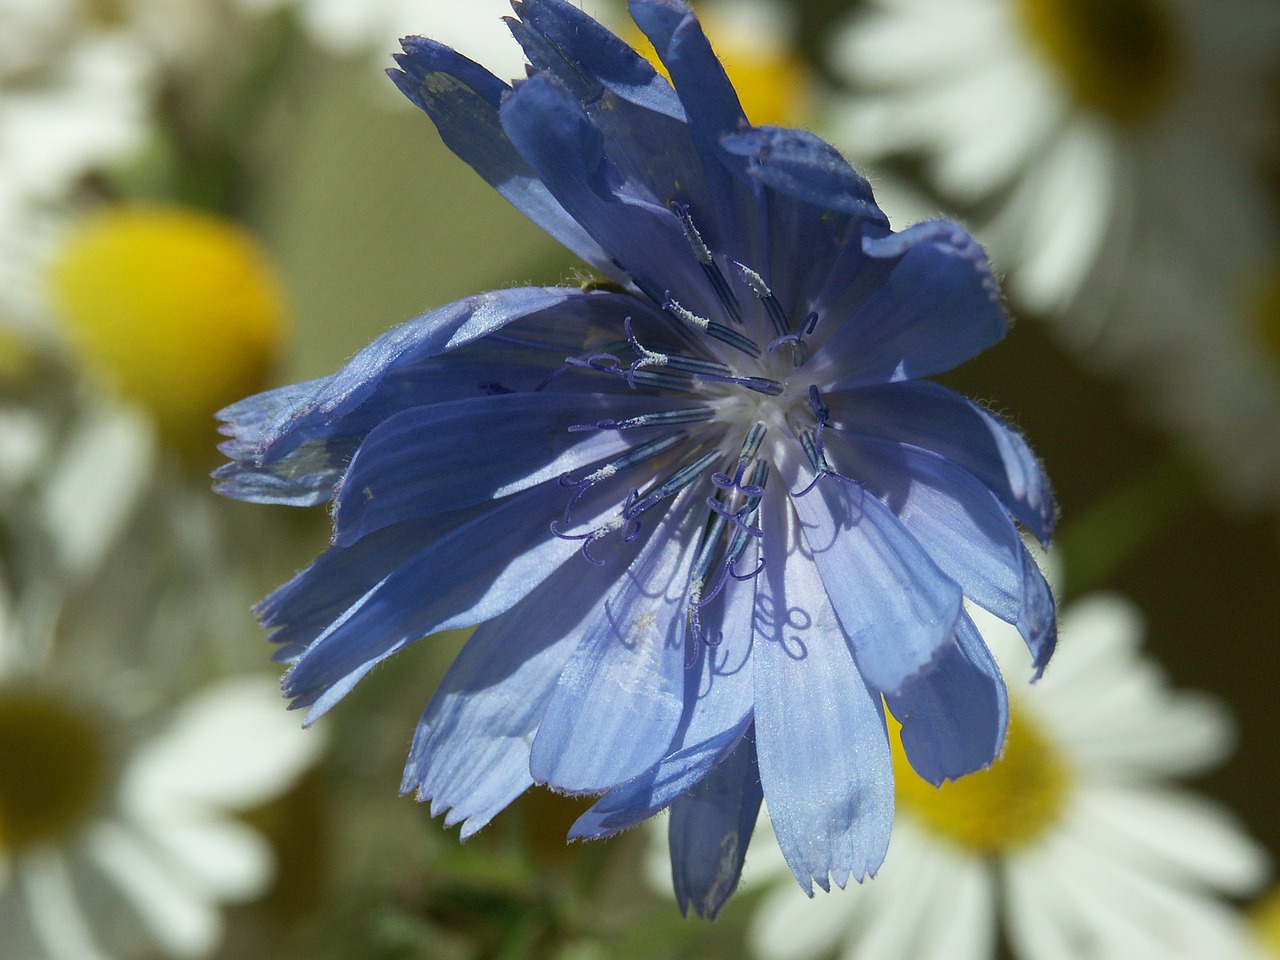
(52, 764)
(773, 82)
(1119, 57)
(1266, 314)
(178, 311)
(996, 810)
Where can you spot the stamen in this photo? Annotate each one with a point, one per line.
(703, 254)
(711, 371)
(718, 330)
(766, 297)
(637, 504)
(610, 364)
(661, 417)
(636, 455)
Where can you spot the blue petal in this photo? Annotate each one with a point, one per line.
(1038, 621)
(803, 166)
(718, 695)
(470, 753)
(954, 714)
(632, 105)
(312, 415)
(478, 449)
(958, 521)
(308, 479)
(931, 416)
(820, 733)
(462, 100)
(551, 130)
(893, 602)
(474, 572)
(621, 697)
(938, 307)
(713, 109)
(302, 609)
(710, 830)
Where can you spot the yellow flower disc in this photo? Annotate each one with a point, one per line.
(179, 311)
(773, 83)
(52, 764)
(1009, 804)
(1119, 57)
(1264, 923)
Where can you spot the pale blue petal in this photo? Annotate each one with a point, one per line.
(470, 753)
(954, 714)
(928, 415)
(953, 516)
(718, 697)
(896, 606)
(710, 830)
(821, 740)
(621, 697)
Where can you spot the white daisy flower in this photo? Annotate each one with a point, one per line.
(118, 833)
(1072, 845)
(1058, 115)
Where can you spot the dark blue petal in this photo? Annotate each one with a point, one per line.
(553, 132)
(959, 522)
(954, 714)
(896, 606)
(938, 307)
(1038, 622)
(820, 732)
(802, 165)
(470, 753)
(931, 416)
(480, 449)
(632, 105)
(621, 696)
(475, 571)
(713, 109)
(462, 98)
(710, 830)
(304, 608)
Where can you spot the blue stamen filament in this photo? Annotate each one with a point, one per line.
(705, 259)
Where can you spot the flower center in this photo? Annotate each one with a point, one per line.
(1119, 57)
(52, 765)
(1009, 804)
(179, 311)
(1265, 314)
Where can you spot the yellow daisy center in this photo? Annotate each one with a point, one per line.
(1266, 314)
(1119, 57)
(179, 311)
(52, 764)
(774, 84)
(1009, 804)
(1264, 923)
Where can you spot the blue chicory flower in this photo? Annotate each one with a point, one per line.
(708, 516)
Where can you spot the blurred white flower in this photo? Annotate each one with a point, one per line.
(117, 806)
(1069, 122)
(1072, 842)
